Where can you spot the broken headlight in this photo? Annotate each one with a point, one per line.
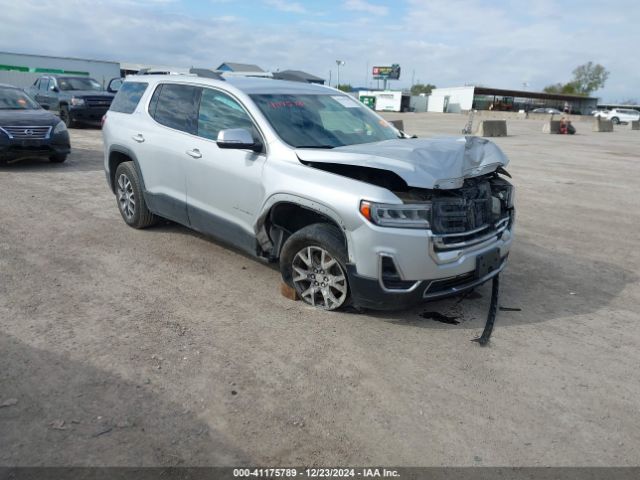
(415, 215)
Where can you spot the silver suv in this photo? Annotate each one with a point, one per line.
(355, 211)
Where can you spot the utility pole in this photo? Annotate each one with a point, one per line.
(339, 63)
(366, 75)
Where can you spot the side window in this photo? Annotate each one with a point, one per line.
(128, 97)
(154, 101)
(219, 111)
(177, 107)
(44, 84)
(36, 84)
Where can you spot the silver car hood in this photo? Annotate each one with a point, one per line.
(421, 162)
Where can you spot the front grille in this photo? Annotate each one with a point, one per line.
(469, 210)
(98, 102)
(27, 133)
(472, 214)
(447, 284)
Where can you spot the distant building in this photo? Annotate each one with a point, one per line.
(298, 76)
(21, 70)
(232, 69)
(133, 68)
(458, 99)
(239, 67)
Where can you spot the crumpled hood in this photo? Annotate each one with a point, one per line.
(421, 162)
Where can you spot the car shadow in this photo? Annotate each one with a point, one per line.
(61, 412)
(79, 160)
(539, 284)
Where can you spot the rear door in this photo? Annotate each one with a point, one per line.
(161, 138)
(224, 186)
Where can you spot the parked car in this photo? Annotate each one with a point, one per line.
(621, 115)
(354, 211)
(27, 130)
(74, 99)
(553, 111)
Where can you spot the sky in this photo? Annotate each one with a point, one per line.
(501, 43)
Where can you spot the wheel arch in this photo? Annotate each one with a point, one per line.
(117, 155)
(285, 214)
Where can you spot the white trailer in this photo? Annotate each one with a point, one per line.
(387, 100)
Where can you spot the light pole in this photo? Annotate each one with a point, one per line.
(339, 63)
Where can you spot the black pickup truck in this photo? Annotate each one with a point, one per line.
(75, 99)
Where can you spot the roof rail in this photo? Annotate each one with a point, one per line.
(206, 73)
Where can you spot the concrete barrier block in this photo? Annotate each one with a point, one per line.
(552, 126)
(399, 124)
(634, 125)
(600, 125)
(492, 128)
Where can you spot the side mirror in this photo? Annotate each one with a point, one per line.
(237, 138)
(114, 85)
(45, 107)
(53, 88)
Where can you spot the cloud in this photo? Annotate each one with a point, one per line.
(285, 6)
(445, 42)
(366, 7)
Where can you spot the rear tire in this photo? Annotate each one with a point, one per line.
(57, 158)
(313, 261)
(130, 199)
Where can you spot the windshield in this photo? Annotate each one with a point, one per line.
(78, 83)
(323, 121)
(14, 99)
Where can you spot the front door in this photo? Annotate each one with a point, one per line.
(224, 186)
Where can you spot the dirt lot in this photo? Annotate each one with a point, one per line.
(162, 347)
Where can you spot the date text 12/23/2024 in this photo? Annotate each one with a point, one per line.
(314, 472)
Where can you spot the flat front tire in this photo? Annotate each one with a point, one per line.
(313, 261)
(131, 202)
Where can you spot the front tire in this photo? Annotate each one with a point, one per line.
(615, 120)
(65, 116)
(131, 202)
(313, 261)
(57, 158)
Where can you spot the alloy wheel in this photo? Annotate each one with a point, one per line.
(126, 197)
(319, 279)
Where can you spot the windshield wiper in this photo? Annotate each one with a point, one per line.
(315, 146)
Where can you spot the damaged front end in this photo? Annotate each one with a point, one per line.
(461, 220)
(450, 229)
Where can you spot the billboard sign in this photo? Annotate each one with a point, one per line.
(386, 73)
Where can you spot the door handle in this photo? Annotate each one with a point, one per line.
(195, 153)
(138, 138)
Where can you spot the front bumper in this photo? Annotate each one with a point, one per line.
(370, 293)
(396, 268)
(85, 114)
(11, 149)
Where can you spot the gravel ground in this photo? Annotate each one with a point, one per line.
(163, 347)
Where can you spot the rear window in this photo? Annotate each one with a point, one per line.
(176, 106)
(128, 97)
